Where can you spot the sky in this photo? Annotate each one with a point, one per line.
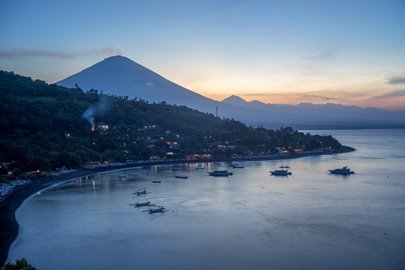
(326, 51)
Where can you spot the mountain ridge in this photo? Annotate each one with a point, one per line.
(121, 76)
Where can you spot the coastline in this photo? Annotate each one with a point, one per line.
(8, 205)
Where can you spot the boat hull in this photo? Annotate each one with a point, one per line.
(157, 210)
(341, 173)
(181, 177)
(220, 174)
(281, 173)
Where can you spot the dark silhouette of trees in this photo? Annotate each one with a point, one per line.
(42, 128)
(21, 264)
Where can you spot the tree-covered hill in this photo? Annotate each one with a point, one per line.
(44, 127)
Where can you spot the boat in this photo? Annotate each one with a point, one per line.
(181, 176)
(200, 167)
(223, 173)
(281, 172)
(142, 204)
(284, 167)
(344, 170)
(236, 165)
(140, 192)
(157, 210)
(156, 181)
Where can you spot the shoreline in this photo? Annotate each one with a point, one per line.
(11, 202)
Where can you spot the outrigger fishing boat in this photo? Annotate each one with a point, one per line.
(140, 192)
(157, 210)
(143, 204)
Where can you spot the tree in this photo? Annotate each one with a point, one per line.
(20, 264)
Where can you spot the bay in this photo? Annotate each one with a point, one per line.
(251, 220)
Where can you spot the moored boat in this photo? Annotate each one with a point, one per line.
(236, 165)
(281, 172)
(181, 176)
(223, 173)
(344, 170)
(143, 204)
(140, 192)
(157, 210)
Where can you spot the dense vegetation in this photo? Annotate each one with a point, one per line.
(43, 127)
(21, 264)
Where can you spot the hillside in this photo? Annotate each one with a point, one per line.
(48, 126)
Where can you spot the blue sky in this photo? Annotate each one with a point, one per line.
(277, 51)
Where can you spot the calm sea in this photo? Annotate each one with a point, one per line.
(251, 220)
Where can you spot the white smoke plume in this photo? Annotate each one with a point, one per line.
(96, 109)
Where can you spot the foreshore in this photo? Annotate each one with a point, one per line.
(10, 203)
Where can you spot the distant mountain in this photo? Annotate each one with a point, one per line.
(235, 100)
(118, 75)
(327, 115)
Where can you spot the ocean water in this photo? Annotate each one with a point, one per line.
(251, 220)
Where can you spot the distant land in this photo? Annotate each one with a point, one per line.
(118, 75)
(45, 127)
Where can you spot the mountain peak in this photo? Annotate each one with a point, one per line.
(117, 60)
(121, 76)
(117, 57)
(234, 100)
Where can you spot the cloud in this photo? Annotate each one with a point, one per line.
(288, 98)
(391, 100)
(315, 97)
(392, 94)
(150, 84)
(397, 80)
(24, 53)
(322, 55)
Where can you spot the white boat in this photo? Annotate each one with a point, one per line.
(344, 170)
(236, 165)
(223, 173)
